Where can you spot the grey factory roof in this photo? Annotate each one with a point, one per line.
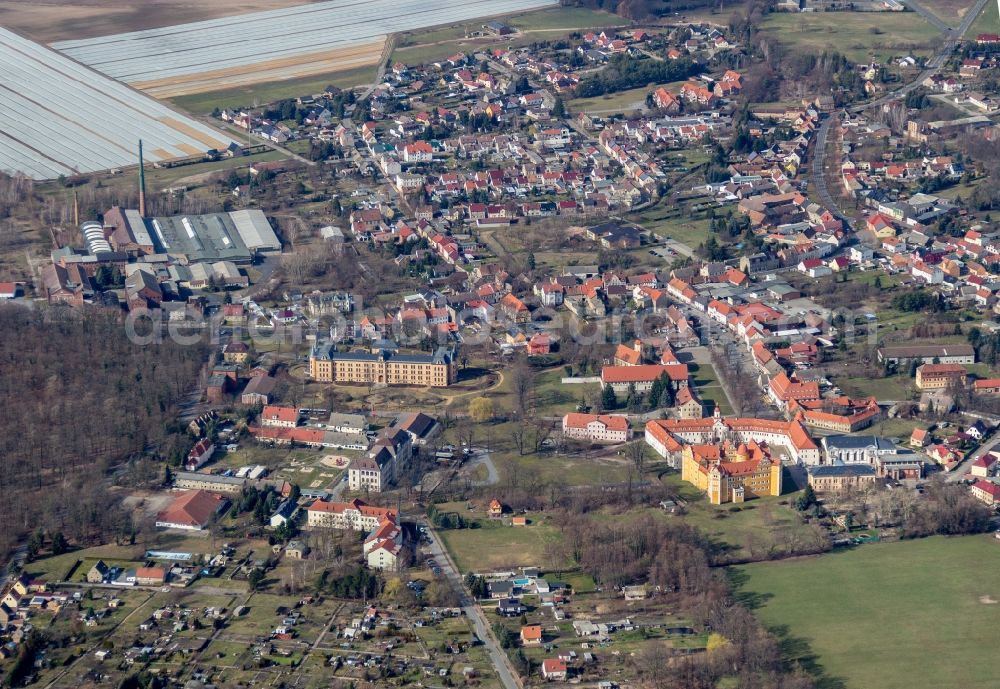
(61, 118)
(255, 230)
(210, 237)
(138, 227)
(249, 39)
(214, 237)
(213, 478)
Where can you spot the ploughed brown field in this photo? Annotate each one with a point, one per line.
(55, 20)
(267, 71)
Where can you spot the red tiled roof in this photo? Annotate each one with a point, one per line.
(553, 665)
(286, 414)
(193, 508)
(531, 632)
(786, 389)
(988, 487)
(628, 354)
(941, 370)
(644, 373)
(306, 436)
(364, 508)
(614, 422)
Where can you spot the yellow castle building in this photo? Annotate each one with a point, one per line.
(728, 473)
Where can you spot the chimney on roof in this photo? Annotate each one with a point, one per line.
(142, 184)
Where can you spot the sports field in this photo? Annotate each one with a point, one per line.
(907, 615)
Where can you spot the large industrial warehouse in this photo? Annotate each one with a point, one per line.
(164, 60)
(61, 118)
(237, 236)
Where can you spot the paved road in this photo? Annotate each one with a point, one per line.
(508, 678)
(818, 169)
(952, 37)
(962, 470)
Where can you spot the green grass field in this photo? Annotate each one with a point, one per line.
(672, 225)
(988, 22)
(553, 398)
(761, 526)
(890, 388)
(562, 19)
(706, 382)
(621, 102)
(560, 470)
(905, 615)
(566, 18)
(495, 546)
(268, 92)
(850, 33)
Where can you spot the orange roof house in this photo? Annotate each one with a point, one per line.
(531, 634)
(880, 223)
(554, 668)
(150, 576)
(920, 437)
(666, 100)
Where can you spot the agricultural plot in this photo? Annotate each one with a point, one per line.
(61, 118)
(268, 46)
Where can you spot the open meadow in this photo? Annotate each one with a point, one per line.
(904, 615)
(495, 544)
(860, 36)
(987, 22)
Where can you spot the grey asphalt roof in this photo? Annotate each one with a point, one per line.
(829, 470)
(856, 442)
